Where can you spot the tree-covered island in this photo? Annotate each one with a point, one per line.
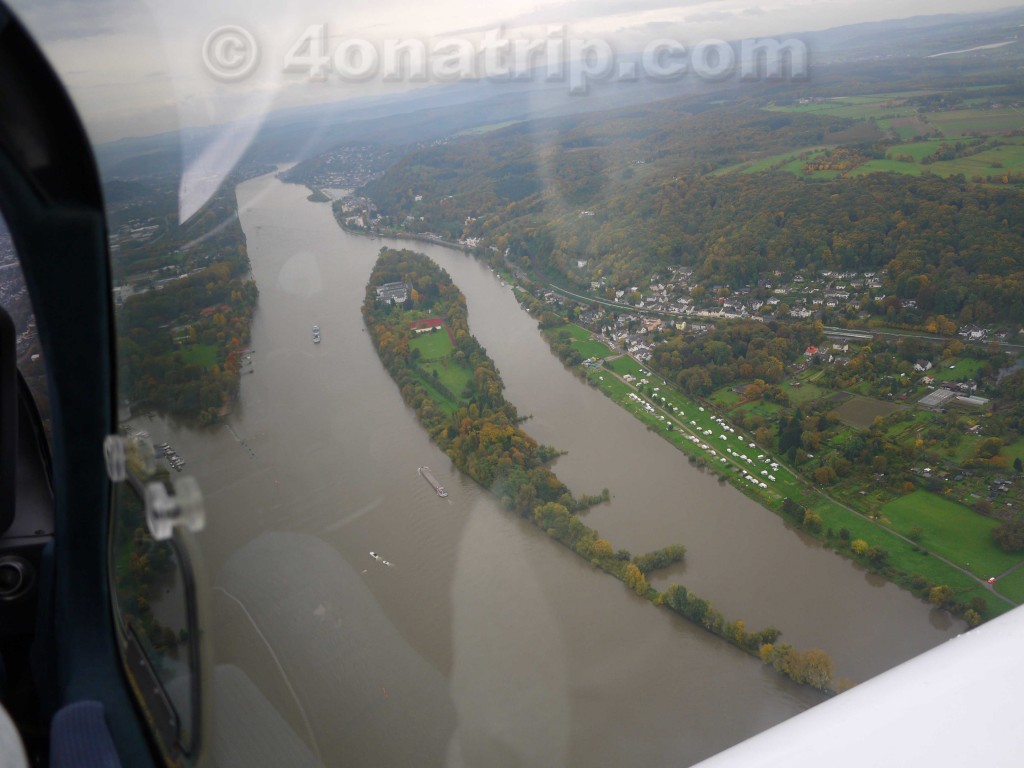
(418, 322)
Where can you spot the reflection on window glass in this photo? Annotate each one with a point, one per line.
(15, 300)
(152, 605)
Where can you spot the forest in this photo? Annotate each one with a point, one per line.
(621, 195)
(740, 351)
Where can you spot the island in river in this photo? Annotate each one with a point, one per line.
(418, 322)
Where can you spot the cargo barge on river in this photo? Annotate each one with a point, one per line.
(429, 477)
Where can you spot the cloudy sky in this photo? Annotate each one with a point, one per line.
(136, 68)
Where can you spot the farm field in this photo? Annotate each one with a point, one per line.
(904, 121)
(952, 531)
(861, 412)
(962, 122)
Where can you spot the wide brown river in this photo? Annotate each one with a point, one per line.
(483, 642)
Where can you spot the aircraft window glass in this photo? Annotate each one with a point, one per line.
(325, 544)
(153, 615)
(14, 299)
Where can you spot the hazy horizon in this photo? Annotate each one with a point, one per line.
(137, 71)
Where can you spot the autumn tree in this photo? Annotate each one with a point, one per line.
(812, 521)
(940, 595)
(636, 580)
(1009, 535)
(816, 669)
(602, 548)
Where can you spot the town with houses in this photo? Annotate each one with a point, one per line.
(348, 166)
(630, 316)
(826, 296)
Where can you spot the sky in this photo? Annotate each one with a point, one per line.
(138, 68)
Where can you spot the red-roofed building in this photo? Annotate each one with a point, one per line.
(430, 322)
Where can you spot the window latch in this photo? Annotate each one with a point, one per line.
(164, 509)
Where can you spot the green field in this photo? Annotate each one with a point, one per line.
(762, 408)
(904, 556)
(584, 342)
(1014, 450)
(577, 333)
(951, 530)
(888, 166)
(436, 364)
(852, 108)
(993, 162)
(1012, 586)
(805, 393)
(433, 345)
(906, 128)
(611, 386)
(916, 149)
(842, 436)
(204, 355)
(961, 122)
(796, 167)
(440, 400)
(725, 397)
(905, 122)
(966, 448)
(964, 368)
(627, 365)
(592, 348)
(482, 129)
(449, 373)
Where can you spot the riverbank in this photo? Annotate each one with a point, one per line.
(400, 235)
(710, 441)
(183, 338)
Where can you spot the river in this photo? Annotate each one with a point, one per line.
(483, 642)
